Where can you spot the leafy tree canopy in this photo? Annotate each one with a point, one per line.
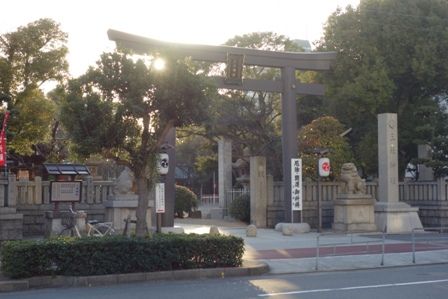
(123, 109)
(29, 57)
(391, 58)
(323, 133)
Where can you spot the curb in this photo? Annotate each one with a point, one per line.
(249, 268)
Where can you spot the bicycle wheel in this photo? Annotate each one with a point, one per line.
(105, 229)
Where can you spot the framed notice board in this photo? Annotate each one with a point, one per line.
(65, 191)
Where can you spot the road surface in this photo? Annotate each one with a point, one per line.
(414, 282)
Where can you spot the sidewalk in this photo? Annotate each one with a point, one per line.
(297, 253)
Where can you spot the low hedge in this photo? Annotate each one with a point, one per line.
(112, 255)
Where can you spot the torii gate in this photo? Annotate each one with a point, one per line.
(235, 58)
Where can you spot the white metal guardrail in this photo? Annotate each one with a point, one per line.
(428, 238)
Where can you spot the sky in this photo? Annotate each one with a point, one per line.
(208, 22)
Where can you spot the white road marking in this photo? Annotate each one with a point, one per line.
(356, 287)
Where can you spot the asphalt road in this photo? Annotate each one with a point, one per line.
(416, 282)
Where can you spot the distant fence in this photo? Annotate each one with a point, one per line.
(32, 199)
(430, 197)
(209, 199)
(37, 192)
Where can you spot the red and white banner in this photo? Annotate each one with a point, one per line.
(3, 140)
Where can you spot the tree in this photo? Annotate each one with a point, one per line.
(323, 133)
(34, 115)
(391, 58)
(435, 134)
(123, 110)
(29, 57)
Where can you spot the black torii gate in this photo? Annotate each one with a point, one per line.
(235, 58)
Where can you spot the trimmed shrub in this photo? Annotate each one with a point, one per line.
(240, 208)
(112, 255)
(185, 201)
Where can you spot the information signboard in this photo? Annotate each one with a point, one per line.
(160, 198)
(65, 191)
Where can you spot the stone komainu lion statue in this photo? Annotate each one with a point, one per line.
(353, 184)
(124, 182)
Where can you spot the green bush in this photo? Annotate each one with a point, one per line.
(240, 208)
(185, 201)
(112, 255)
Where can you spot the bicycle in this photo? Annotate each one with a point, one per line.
(97, 228)
(94, 228)
(68, 220)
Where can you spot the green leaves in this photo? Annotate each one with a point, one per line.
(323, 133)
(185, 200)
(110, 255)
(123, 109)
(34, 54)
(123, 105)
(29, 57)
(391, 58)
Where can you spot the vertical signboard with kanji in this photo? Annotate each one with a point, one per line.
(160, 198)
(296, 184)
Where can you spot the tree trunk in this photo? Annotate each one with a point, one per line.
(142, 207)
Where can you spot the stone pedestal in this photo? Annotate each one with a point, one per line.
(11, 224)
(354, 213)
(54, 224)
(123, 204)
(396, 217)
(120, 207)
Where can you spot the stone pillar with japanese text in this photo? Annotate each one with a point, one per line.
(391, 215)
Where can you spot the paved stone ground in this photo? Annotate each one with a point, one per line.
(297, 253)
(209, 222)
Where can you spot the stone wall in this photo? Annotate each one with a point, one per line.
(10, 224)
(33, 200)
(432, 214)
(34, 220)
